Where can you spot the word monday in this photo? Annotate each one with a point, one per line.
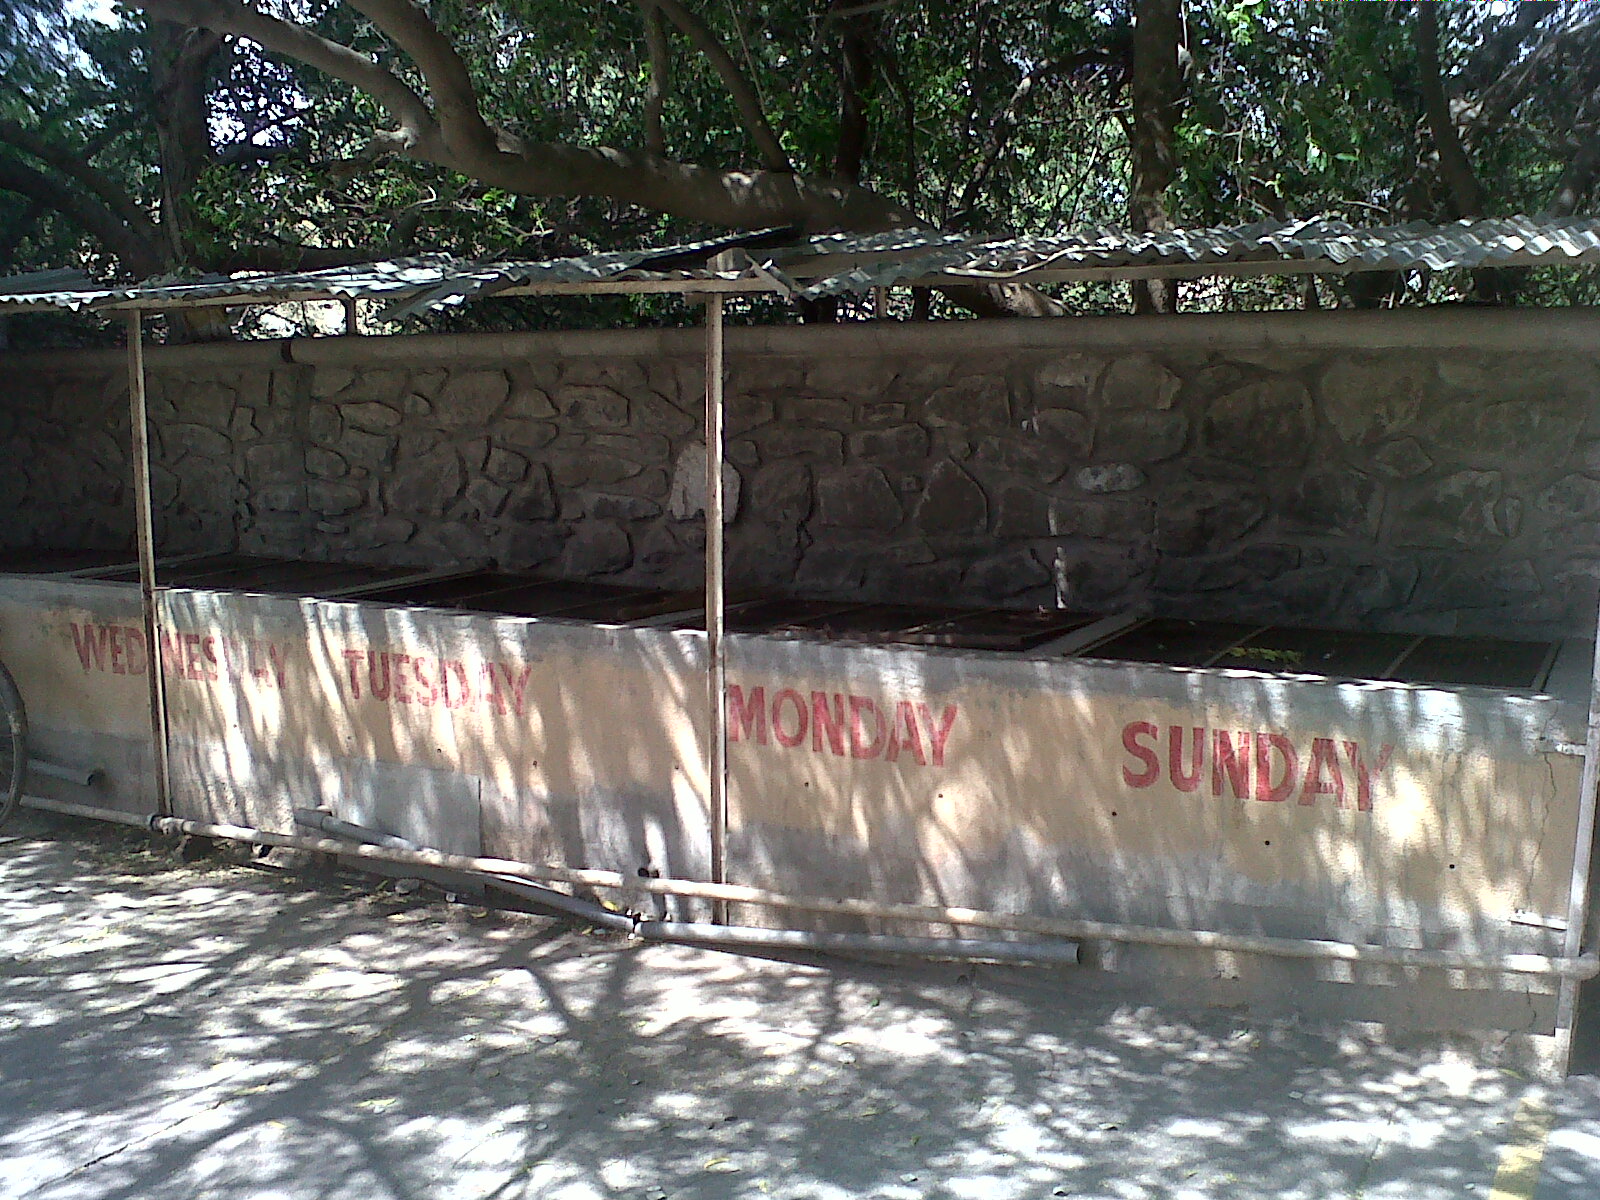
(1252, 766)
(840, 723)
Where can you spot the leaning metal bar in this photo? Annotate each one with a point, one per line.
(1578, 892)
(1582, 967)
(716, 668)
(144, 531)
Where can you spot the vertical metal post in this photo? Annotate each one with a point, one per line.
(1578, 890)
(717, 751)
(144, 532)
(352, 318)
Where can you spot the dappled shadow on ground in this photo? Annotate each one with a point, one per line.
(170, 1031)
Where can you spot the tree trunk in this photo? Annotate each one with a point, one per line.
(1156, 86)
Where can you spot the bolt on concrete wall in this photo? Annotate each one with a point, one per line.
(1419, 486)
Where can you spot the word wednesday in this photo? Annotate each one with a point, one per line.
(1258, 766)
(122, 650)
(840, 723)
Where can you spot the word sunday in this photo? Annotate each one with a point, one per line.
(1252, 765)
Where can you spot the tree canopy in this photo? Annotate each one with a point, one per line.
(176, 136)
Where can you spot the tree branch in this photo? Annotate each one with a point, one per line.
(751, 113)
(733, 199)
(74, 164)
(1466, 193)
(455, 100)
(416, 126)
(655, 96)
(857, 77)
(88, 213)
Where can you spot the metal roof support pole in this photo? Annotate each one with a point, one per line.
(1578, 893)
(716, 668)
(144, 532)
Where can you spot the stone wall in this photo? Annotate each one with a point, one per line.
(1424, 470)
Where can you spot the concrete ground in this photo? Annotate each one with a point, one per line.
(231, 1030)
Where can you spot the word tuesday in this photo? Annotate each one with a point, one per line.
(1256, 766)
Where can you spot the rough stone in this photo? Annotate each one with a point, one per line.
(459, 541)
(207, 403)
(486, 497)
(583, 468)
(415, 406)
(474, 453)
(1402, 459)
(658, 548)
(323, 424)
(1110, 520)
(619, 506)
(525, 435)
(976, 400)
(1492, 433)
(281, 497)
(529, 402)
(781, 493)
(470, 399)
(1467, 506)
(827, 411)
(884, 413)
(333, 499)
(1336, 500)
(208, 484)
(639, 448)
(372, 416)
(1004, 575)
(1068, 380)
(329, 381)
(794, 441)
(1572, 498)
(1144, 437)
(1267, 423)
(183, 439)
(1197, 518)
(840, 376)
(597, 548)
(1023, 455)
(892, 443)
(1065, 430)
(1106, 478)
(1247, 569)
(273, 462)
(533, 499)
(1138, 382)
(426, 485)
(1023, 513)
(242, 424)
(371, 450)
(505, 466)
(1370, 399)
(857, 498)
(652, 414)
(743, 454)
(589, 407)
(952, 502)
(688, 495)
(373, 383)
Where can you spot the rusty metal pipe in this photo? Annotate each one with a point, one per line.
(1585, 966)
(722, 936)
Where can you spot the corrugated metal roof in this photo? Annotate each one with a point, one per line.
(1335, 245)
(834, 264)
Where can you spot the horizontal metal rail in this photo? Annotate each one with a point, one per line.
(1584, 966)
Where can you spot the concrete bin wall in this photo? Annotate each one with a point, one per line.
(78, 653)
(1230, 800)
